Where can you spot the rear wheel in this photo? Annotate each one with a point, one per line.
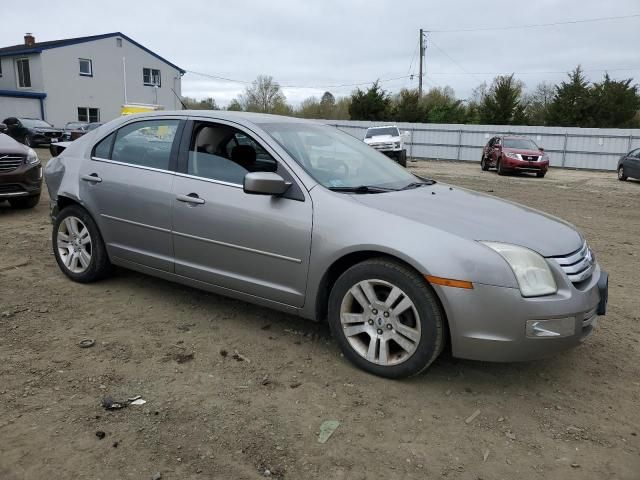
(386, 318)
(621, 175)
(78, 246)
(25, 202)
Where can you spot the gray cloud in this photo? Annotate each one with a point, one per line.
(334, 42)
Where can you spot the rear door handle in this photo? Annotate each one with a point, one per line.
(91, 178)
(192, 198)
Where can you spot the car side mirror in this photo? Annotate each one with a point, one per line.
(265, 183)
(3, 128)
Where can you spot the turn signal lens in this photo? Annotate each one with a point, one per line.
(449, 282)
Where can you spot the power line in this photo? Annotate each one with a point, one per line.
(452, 59)
(245, 82)
(537, 25)
(538, 72)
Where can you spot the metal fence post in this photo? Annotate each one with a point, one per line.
(459, 144)
(411, 144)
(564, 148)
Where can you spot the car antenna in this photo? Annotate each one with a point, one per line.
(184, 107)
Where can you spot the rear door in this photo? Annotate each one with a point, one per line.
(127, 185)
(633, 161)
(254, 244)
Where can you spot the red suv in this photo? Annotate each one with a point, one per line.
(514, 154)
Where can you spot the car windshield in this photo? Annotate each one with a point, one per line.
(520, 144)
(375, 132)
(35, 123)
(336, 159)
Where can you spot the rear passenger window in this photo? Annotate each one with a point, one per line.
(146, 144)
(103, 149)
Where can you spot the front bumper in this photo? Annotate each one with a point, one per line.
(497, 324)
(524, 165)
(24, 182)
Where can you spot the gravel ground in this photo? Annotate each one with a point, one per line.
(237, 391)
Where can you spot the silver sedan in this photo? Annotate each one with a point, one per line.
(303, 218)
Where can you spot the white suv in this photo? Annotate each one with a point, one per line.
(388, 140)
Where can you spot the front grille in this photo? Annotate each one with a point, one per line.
(10, 188)
(9, 163)
(382, 146)
(53, 134)
(530, 158)
(578, 265)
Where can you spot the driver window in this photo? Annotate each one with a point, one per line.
(226, 154)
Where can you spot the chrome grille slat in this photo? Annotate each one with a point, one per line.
(579, 265)
(8, 163)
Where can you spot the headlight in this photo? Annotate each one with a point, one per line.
(544, 158)
(32, 157)
(515, 156)
(530, 268)
(397, 145)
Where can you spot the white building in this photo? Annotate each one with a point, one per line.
(84, 79)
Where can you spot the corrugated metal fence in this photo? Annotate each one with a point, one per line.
(594, 148)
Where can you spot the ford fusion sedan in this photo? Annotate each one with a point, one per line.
(32, 131)
(300, 217)
(514, 154)
(20, 173)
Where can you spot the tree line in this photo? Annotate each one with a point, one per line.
(574, 102)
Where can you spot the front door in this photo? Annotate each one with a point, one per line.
(127, 185)
(254, 244)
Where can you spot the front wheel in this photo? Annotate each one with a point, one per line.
(386, 318)
(540, 174)
(484, 166)
(501, 170)
(27, 141)
(78, 246)
(621, 175)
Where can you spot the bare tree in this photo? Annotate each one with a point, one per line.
(264, 96)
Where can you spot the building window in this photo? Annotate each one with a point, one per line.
(86, 67)
(24, 73)
(87, 114)
(119, 42)
(151, 76)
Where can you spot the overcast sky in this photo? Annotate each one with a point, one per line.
(324, 43)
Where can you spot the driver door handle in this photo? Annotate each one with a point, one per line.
(91, 178)
(192, 198)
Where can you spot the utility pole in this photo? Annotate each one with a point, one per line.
(421, 58)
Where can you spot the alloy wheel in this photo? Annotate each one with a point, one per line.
(74, 244)
(380, 322)
(621, 175)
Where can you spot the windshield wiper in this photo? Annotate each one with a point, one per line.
(418, 184)
(362, 189)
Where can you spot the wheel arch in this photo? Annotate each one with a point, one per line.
(348, 260)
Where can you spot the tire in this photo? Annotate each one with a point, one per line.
(402, 158)
(25, 202)
(74, 220)
(540, 174)
(501, 171)
(621, 176)
(27, 141)
(420, 319)
(484, 166)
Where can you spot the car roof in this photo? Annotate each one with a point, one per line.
(383, 126)
(244, 117)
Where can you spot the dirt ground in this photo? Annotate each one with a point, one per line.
(210, 415)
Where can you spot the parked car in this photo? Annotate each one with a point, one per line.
(32, 131)
(90, 126)
(389, 141)
(20, 173)
(79, 128)
(514, 154)
(629, 165)
(303, 218)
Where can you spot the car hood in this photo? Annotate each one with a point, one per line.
(476, 216)
(9, 145)
(537, 153)
(45, 130)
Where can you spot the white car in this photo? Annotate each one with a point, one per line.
(388, 140)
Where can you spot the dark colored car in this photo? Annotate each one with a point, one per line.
(514, 154)
(629, 165)
(32, 131)
(20, 173)
(71, 128)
